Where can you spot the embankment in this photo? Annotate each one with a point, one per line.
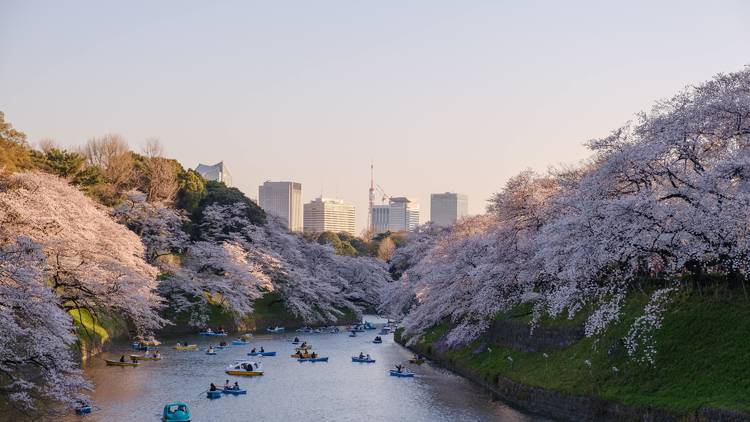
(702, 371)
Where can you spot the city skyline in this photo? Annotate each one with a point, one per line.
(282, 92)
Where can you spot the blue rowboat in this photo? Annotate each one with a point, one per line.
(234, 392)
(212, 334)
(213, 394)
(362, 360)
(322, 359)
(262, 354)
(395, 373)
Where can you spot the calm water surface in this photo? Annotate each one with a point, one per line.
(339, 390)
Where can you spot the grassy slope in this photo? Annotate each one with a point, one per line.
(703, 359)
(93, 334)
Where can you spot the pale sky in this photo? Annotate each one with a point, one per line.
(442, 96)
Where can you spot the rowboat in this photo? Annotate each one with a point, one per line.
(188, 347)
(320, 359)
(240, 342)
(362, 360)
(304, 355)
(213, 394)
(262, 354)
(395, 373)
(139, 357)
(234, 392)
(211, 334)
(118, 363)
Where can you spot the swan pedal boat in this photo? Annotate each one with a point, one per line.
(362, 360)
(261, 354)
(176, 412)
(118, 363)
(311, 359)
(139, 357)
(240, 368)
(395, 373)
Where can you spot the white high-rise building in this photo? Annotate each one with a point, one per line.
(401, 214)
(284, 200)
(217, 172)
(326, 214)
(446, 208)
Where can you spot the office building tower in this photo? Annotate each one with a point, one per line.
(217, 172)
(446, 208)
(326, 214)
(284, 200)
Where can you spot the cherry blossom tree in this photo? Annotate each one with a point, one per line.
(93, 262)
(36, 359)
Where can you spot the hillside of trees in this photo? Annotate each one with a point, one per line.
(106, 232)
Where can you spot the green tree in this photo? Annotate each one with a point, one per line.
(192, 190)
(15, 154)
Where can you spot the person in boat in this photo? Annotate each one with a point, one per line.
(223, 344)
(226, 385)
(253, 350)
(262, 350)
(256, 365)
(210, 349)
(212, 387)
(221, 329)
(296, 339)
(209, 330)
(314, 355)
(399, 369)
(299, 353)
(304, 344)
(157, 354)
(368, 357)
(362, 355)
(122, 359)
(236, 386)
(185, 344)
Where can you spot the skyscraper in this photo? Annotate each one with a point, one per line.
(326, 214)
(403, 214)
(217, 172)
(380, 218)
(284, 200)
(446, 208)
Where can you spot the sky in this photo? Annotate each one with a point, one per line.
(440, 95)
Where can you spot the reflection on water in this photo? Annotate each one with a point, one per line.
(335, 391)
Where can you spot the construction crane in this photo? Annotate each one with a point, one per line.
(370, 223)
(385, 195)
